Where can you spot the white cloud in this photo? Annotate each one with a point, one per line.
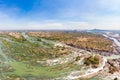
(90, 22)
(44, 25)
(110, 4)
(7, 22)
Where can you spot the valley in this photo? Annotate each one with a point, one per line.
(58, 56)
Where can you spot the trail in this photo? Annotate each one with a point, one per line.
(113, 57)
(73, 74)
(87, 73)
(76, 74)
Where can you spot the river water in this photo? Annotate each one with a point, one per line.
(115, 40)
(117, 43)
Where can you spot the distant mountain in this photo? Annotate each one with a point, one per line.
(96, 30)
(102, 31)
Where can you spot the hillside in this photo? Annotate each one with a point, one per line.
(53, 55)
(88, 41)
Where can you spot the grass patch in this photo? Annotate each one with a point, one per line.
(22, 69)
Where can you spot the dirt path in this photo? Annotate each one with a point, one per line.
(74, 74)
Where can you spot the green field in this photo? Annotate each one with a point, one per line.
(22, 69)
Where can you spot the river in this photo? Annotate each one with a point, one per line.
(117, 43)
(114, 39)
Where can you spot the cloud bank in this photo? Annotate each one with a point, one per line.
(61, 14)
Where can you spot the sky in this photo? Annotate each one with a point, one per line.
(59, 14)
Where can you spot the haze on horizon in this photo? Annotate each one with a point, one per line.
(59, 14)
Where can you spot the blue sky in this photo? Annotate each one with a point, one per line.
(59, 14)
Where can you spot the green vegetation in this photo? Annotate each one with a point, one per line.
(95, 78)
(92, 60)
(33, 52)
(83, 40)
(26, 57)
(77, 58)
(29, 56)
(22, 69)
